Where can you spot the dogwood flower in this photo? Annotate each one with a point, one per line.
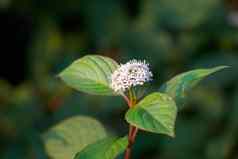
(131, 74)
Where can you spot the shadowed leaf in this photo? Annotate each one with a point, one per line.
(72, 135)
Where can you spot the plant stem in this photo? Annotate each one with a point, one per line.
(127, 100)
(131, 140)
(132, 129)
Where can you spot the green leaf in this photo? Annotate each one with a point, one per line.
(107, 148)
(70, 136)
(90, 74)
(179, 86)
(155, 113)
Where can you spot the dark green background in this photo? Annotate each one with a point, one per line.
(39, 38)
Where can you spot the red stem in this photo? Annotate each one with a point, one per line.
(132, 131)
(129, 103)
(131, 140)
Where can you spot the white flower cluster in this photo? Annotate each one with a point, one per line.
(130, 74)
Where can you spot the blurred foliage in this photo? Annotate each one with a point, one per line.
(71, 136)
(174, 36)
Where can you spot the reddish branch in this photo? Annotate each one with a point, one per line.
(131, 140)
(132, 131)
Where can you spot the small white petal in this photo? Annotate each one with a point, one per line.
(130, 74)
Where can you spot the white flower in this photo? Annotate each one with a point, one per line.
(130, 74)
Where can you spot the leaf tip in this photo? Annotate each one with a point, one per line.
(172, 135)
(221, 67)
(59, 75)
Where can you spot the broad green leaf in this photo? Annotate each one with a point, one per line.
(90, 74)
(64, 140)
(155, 113)
(179, 86)
(107, 148)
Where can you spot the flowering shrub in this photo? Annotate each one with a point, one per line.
(154, 113)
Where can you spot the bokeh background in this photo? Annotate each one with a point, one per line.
(39, 38)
